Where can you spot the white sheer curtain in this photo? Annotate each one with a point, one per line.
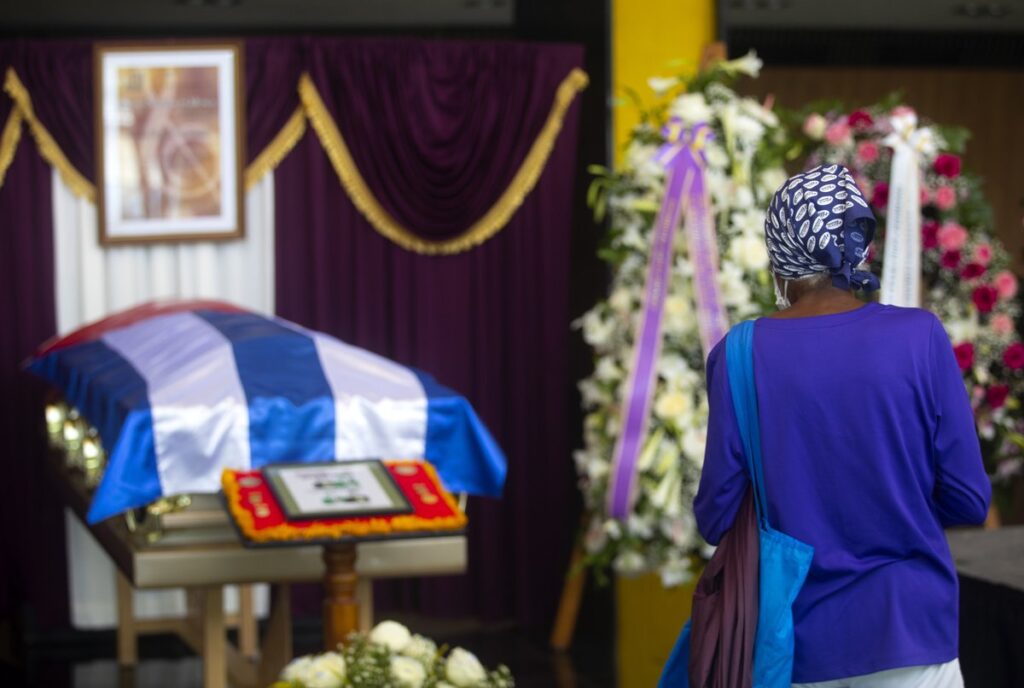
(94, 281)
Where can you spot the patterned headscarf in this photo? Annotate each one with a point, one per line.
(819, 222)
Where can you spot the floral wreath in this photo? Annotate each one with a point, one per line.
(744, 166)
(965, 270)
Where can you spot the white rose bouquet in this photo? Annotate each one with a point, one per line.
(390, 656)
(744, 167)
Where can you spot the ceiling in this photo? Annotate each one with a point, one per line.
(989, 16)
(62, 16)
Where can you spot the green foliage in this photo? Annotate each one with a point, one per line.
(954, 138)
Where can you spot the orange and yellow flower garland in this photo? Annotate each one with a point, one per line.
(436, 510)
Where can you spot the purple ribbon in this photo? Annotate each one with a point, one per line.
(685, 195)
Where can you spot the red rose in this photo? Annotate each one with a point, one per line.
(996, 395)
(859, 120)
(964, 355)
(1013, 357)
(880, 195)
(950, 260)
(985, 298)
(947, 165)
(972, 271)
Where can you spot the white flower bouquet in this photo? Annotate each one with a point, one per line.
(391, 656)
(743, 168)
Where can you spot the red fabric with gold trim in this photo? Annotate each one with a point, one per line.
(150, 309)
(260, 518)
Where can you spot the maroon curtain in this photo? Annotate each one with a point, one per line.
(437, 129)
(58, 77)
(492, 322)
(32, 535)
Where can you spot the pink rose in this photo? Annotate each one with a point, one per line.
(838, 133)
(867, 151)
(1006, 284)
(945, 197)
(983, 254)
(1002, 324)
(947, 165)
(902, 110)
(925, 196)
(952, 236)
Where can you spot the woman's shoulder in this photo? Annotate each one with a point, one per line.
(906, 316)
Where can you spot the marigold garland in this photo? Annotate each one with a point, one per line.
(355, 528)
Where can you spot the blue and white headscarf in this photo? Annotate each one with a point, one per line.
(818, 222)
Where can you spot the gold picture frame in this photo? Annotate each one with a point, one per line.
(170, 141)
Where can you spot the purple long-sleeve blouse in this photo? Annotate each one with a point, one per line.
(869, 450)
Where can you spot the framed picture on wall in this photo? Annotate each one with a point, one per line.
(169, 141)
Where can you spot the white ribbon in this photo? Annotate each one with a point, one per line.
(901, 272)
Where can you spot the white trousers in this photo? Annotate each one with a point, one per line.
(932, 676)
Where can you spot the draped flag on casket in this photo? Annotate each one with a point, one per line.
(180, 391)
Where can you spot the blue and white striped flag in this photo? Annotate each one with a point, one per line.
(179, 393)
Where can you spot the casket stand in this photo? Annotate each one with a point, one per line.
(204, 558)
(203, 376)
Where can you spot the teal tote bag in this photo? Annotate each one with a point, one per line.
(784, 559)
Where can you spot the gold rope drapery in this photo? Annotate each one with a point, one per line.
(483, 229)
(9, 141)
(312, 106)
(271, 156)
(48, 148)
(286, 139)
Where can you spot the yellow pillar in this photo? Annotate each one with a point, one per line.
(646, 36)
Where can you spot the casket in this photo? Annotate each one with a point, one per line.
(176, 392)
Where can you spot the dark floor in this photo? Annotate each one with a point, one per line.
(87, 659)
(991, 649)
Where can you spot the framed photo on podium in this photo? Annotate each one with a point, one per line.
(297, 504)
(343, 489)
(169, 141)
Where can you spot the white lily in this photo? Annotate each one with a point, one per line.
(750, 64)
(661, 84)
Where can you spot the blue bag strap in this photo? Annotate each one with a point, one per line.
(739, 357)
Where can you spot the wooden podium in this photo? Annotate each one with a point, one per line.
(341, 606)
(272, 513)
(204, 560)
